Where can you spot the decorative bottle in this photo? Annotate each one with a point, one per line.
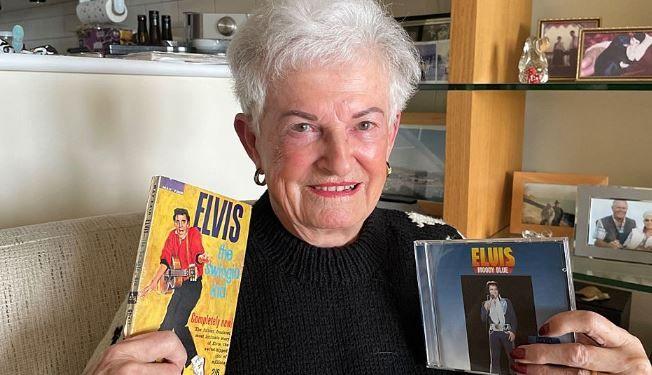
(533, 66)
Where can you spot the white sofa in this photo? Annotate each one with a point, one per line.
(60, 285)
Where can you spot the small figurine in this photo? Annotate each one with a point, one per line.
(533, 66)
(592, 293)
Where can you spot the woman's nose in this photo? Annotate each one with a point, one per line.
(337, 154)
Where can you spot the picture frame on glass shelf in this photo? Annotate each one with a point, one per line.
(615, 54)
(431, 35)
(615, 223)
(545, 203)
(562, 53)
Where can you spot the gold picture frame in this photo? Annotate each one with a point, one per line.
(562, 55)
(615, 54)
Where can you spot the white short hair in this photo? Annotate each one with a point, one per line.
(283, 35)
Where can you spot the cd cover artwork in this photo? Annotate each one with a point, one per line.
(481, 299)
(187, 273)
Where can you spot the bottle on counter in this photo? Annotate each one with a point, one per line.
(143, 36)
(154, 28)
(166, 33)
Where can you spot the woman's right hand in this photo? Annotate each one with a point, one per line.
(137, 355)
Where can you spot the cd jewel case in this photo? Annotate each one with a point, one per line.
(482, 298)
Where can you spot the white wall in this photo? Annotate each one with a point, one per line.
(76, 145)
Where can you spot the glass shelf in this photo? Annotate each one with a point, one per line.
(559, 86)
(630, 276)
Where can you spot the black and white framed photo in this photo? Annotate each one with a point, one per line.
(431, 35)
(614, 223)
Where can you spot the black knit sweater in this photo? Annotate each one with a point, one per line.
(346, 310)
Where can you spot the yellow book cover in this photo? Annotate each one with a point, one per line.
(188, 269)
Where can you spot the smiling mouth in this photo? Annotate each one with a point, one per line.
(335, 189)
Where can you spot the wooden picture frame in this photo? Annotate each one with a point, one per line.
(615, 54)
(595, 203)
(534, 195)
(564, 34)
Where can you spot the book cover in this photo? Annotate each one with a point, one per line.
(482, 298)
(188, 268)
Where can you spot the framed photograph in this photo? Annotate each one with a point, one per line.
(564, 36)
(614, 223)
(417, 162)
(431, 35)
(617, 54)
(545, 202)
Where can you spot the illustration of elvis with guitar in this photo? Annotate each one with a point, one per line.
(180, 273)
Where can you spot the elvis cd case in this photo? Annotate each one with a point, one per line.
(482, 298)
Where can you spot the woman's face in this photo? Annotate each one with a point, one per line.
(323, 143)
(647, 223)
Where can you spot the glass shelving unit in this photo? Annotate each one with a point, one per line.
(630, 276)
(550, 86)
(624, 275)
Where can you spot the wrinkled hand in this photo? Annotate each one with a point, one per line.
(136, 355)
(512, 336)
(601, 346)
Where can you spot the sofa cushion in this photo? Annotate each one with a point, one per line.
(60, 286)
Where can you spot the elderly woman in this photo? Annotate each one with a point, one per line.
(329, 282)
(641, 238)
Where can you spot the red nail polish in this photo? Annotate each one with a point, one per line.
(518, 353)
(544, 330)
(520, 368)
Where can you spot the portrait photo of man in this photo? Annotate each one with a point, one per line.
(184, 248)
(499, 315)
(613, 230)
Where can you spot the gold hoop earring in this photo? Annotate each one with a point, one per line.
(389, 168)
(257, 177)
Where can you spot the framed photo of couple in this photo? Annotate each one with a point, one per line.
(545, 202)
(431, 36)
(614, 223)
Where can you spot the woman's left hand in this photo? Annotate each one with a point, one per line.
(601, 347)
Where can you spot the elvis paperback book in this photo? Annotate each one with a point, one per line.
(482, 298)
(188, 268)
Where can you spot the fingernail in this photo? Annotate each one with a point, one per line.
(520, 368)
(544, 330)
(518, 353)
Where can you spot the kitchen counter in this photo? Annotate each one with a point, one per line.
(73, 64)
